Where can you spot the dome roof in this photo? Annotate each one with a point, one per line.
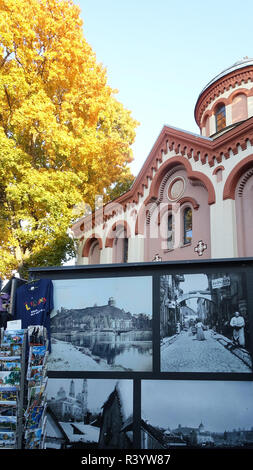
(245, 62)
(240, 71)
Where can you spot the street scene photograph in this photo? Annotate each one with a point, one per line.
(89, 414)
(102, 324)
(204, 323)
(196, 414)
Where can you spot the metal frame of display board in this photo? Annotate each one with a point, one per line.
(154, 270)
(22, 395)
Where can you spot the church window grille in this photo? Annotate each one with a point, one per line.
(187, 225)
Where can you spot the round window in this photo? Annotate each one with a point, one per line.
(176, 188)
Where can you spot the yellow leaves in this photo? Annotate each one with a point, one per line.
(63, 136)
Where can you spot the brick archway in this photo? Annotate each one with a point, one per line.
(89, 242)
(112, 232)
(192, 175)
(235, 175)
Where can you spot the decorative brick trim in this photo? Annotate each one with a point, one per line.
(112, 232)
(194, 175)
(227, 101)
(190, 146)
(166, 208)
(89, 242)
(233, 178)
(240, 91)
(217, 88)
(220, 167)
(191, 200)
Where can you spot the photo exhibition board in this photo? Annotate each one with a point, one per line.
(151, 355)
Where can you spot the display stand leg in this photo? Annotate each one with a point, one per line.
(21, 404)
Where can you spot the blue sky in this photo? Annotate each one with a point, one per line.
(160, 54)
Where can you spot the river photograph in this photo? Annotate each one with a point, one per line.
(102, 324)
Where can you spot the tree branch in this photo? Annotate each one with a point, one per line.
(4, 60)
(8, 97)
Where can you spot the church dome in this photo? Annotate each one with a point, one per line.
(226, 100)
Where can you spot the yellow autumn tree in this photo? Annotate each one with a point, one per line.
(64, 137)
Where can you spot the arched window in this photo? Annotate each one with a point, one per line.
(170, 232)
(239, 108)
(120, 246)
(94, 253)
(187, 225)
(220, 117)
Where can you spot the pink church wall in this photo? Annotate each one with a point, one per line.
(156, 233)
(118, 250)
(244, 214)
(94, 253)
(207, 126)
(239, 108)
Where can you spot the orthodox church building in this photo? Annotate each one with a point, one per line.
(193, 197)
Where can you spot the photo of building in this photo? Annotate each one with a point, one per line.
(89, 414)
(197, 414)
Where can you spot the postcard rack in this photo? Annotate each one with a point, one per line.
(23, 357)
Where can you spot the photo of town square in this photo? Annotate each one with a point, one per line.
(89, 414)
(204, 323)
(196, 414)
(102, 324)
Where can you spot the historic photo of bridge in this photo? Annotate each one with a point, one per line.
(204, 323)
(102, 324)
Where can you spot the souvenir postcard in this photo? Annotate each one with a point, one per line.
(8, 423)
(5, 350)
(33, 439)
(9, 358)
(9, 378)
(10, 365)
(35, 373)
(16, 349)
(8, 395)
(7, 438)
(37, 355)
(34, 417)
(8, 410)
(13, 337)
(36, 395)
(41, 403)
(37, 335)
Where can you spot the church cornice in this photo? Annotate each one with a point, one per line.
(185, 147)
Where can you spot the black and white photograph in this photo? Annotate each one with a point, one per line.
(204, 323)
(89, 414)
(102, 324)
(196, 414)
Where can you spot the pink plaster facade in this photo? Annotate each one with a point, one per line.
(158, 223)
(211, 174)
(244, 213)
